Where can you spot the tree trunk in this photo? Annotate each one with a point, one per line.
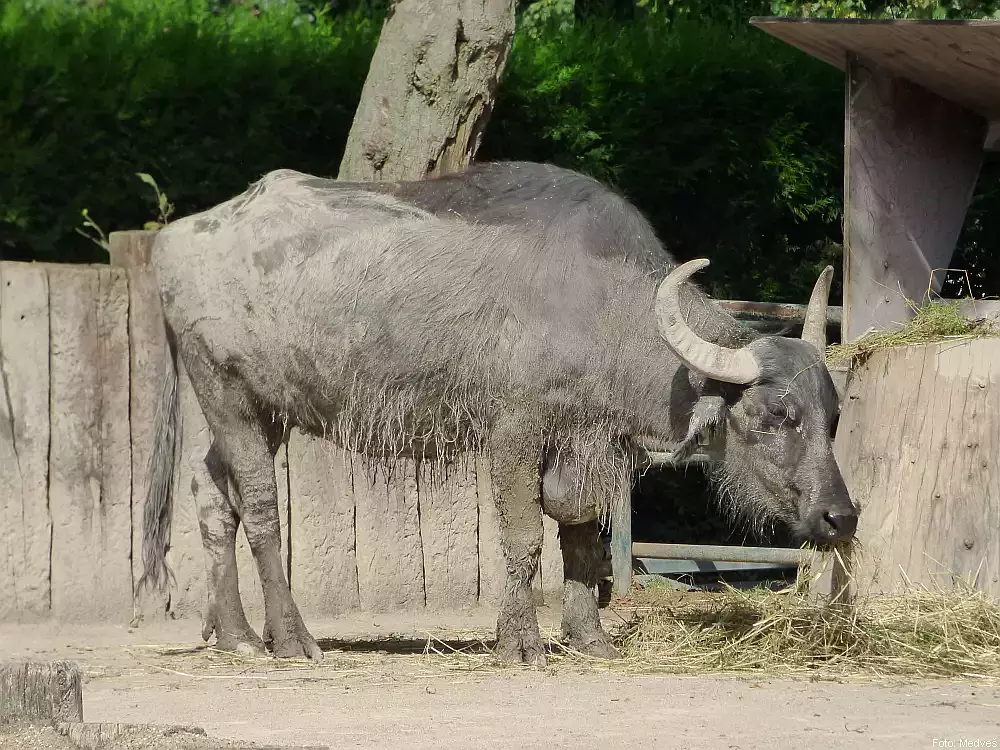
(430, 89)
(918, 443)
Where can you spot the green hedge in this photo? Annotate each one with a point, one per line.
(204, 103)
(727, 139)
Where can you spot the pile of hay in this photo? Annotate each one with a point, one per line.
(922, 633)
(937, 321)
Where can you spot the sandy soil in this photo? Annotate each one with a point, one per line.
(373, 693)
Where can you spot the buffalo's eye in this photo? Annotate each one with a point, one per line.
(777, 410)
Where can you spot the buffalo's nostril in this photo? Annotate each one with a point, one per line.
(842, 525)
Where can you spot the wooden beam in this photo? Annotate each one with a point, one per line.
(723, 553)
(911, 160)
(621, 547)
(775, 312)
(955, 59)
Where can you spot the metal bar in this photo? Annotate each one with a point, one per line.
(657, 566)
(721, 553)
(621, 547)
(656, 459)
(776, 312)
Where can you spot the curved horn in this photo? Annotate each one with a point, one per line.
(717, 362)
(814, 326)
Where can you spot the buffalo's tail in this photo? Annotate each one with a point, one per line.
(158, 510)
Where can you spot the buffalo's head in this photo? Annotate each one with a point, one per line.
(766, 415)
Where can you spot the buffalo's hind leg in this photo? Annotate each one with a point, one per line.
(247, 450)
(583, 553)
(219, 521)
(516, 483)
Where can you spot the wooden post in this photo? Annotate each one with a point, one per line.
(25, 520)
(911, 160)
(621, 547)
(46, 692)
(147, 363)
(917, 443)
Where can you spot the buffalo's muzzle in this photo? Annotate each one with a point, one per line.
(828, 526)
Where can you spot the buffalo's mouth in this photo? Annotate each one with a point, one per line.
(832, 525)
(827, 525)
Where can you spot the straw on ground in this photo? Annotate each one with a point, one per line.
(943, 633)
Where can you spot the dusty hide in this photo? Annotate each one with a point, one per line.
(381, 327)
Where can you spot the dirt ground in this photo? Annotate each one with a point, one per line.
(378, 689)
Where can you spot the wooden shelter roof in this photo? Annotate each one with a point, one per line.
(957, 60)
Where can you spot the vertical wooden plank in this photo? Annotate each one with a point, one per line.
(551, 564)
(390, 560)
(621, 547)
(90, 469)
(147, 367)
(25, 525)
(251, 591)
(193, 490)
(148, 363)
(917, 445)
(325, 567)
(448, 521)
(492, 567)
(911, 164)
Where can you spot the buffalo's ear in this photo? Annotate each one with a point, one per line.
(707, 418)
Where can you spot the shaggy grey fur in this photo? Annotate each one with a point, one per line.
(358, 313)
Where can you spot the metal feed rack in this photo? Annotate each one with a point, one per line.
(625, 552)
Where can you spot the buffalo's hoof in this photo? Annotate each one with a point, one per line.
(244, 644)
(294, 645)
(242, 640)
(523, 650)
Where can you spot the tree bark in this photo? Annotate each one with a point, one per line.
(917, 443)
(430, 89)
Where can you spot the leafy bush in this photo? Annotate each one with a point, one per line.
(729, 140)
(928, 9)
(203, 101)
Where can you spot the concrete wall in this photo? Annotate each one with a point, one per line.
(81, 356)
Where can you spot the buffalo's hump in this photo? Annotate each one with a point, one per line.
(343, 306)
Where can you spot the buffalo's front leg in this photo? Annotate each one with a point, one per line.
(219, 521)
(247, 451)
(581, 621)
(514, 467)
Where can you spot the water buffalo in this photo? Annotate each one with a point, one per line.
(554, 340)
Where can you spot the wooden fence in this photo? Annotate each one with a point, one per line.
(81, 360)
(81, 357)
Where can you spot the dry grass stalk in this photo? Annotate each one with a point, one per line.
(932, 322)
(922, 633)
(942, 632)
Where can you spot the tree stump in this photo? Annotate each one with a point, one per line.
(40, 692)
(918, 445)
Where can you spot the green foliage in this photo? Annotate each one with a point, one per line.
(927, 9)
(728, 140)
(204, 99)
(164, 206)
(543, 15)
